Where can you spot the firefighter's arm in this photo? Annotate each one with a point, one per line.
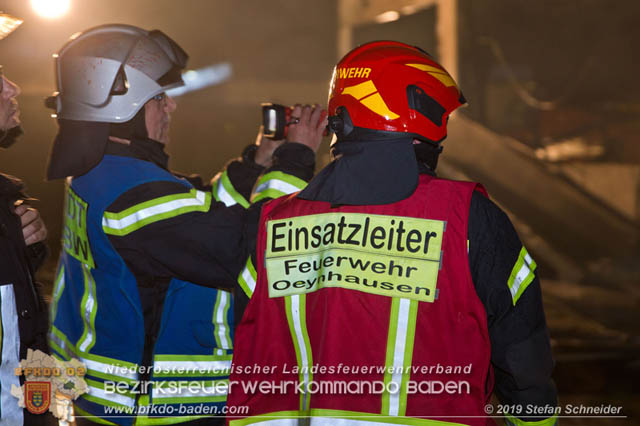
(292, 167)
(234, 183)
(293, 162)
(169, 229)
(505, 277)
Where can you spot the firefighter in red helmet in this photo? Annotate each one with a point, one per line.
(384, 293)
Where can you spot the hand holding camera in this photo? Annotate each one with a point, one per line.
(302, 124)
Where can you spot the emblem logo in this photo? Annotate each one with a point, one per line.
(37, 396)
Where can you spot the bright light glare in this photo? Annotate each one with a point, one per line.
(388, 16)
(50, 8)
(203, 77)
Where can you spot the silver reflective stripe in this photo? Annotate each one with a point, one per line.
(524, 271)
(66, 350)
(279, 422)
(278, 185)
(89, 308)
(332, 421)
(57, 292)
(190, 391)
(10, 412)
(113, 370)
(205, 366)
(199, 200)
(111, 396)
(398, 354)
(221, 324)
(223, 195)
(301, 339)
(248, 279)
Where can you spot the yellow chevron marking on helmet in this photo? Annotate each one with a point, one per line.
(437, 73)
(368, 95)
(361, 90)
(376, 104)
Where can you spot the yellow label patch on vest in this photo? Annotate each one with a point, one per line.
(74, 235)
(353, 72)
(384, 255)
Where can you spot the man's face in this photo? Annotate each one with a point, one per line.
(157, 117)
(9, 109)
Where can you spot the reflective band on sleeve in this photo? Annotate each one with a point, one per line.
(224, 191)
(402, 328)
(522, 275)
(10, 339)
(220, 320)
(89, 308)
(297, 318)
(151, 211)
(276, 184)
(247, 278)
(58, 288)
(514, 421)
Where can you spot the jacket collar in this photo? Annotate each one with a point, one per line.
(142, 149)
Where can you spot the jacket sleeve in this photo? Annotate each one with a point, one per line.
(166, 229)
(233, 184)
(506, 281)
(37, 253)
(292, 169)
(184, 232)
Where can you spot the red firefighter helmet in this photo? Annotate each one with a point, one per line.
(387, 86)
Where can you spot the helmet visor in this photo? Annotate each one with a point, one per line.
(175, 53)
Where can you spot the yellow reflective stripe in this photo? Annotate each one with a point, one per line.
(221, 328)
(224, 191)
(89, 309)
(279, 418)
(402, 328)
(140, 215)
(276, 184)
(115, 396)
(191, 365)
(514, 421)
(171, 392)
(322, 417)
(247, 278)
(97, 366)
(58, 288)
(295, 307)
(59, 342)
(521, 275)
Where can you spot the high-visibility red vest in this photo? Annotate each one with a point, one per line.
(371, 308)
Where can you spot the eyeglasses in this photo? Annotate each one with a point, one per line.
(160, 97)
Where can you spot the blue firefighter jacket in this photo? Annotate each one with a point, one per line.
(96, 311)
